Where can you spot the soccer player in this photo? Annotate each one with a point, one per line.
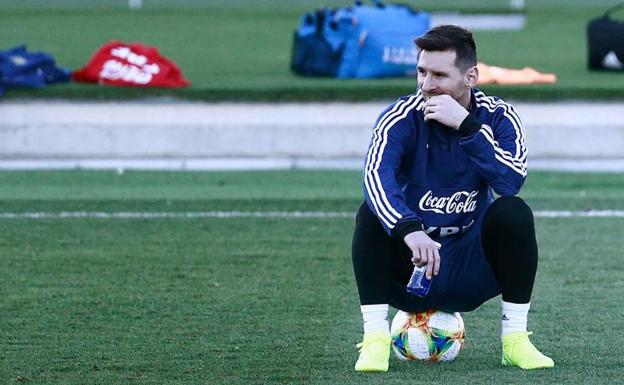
(435, 161)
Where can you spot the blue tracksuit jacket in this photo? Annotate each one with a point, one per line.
(423, 175)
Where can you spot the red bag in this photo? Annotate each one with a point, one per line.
(135, 64)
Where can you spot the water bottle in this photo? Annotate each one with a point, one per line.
(419, 284)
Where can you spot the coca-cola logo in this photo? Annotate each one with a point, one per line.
(459, 202)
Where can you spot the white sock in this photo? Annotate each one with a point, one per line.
(514, 318)
(375, 318)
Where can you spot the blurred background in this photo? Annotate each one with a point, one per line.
(240, 50)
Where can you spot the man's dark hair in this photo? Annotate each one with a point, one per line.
(451, 38)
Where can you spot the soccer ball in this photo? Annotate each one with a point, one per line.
(432, 335)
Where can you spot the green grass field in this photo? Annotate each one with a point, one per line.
(233, 51)
(266, 300)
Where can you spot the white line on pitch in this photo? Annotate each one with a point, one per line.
(580, 214)
(261, 214)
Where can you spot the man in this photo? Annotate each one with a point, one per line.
(434, 163)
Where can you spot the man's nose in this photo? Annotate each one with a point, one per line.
(427, 84)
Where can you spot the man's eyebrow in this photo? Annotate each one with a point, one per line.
(420, 68)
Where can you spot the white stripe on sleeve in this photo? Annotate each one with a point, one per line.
(388, 214)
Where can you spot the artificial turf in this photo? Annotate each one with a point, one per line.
(266, 300)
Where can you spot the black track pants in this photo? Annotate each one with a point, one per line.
(504, 252)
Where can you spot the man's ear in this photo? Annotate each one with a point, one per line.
(472, 77)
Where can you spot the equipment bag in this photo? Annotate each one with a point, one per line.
(131, 64)
(605, 40)
(359, 41)
(21, 68)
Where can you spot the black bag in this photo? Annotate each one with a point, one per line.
(313, 53)
(605, 40)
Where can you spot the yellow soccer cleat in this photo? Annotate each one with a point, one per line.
(374, 352)
(519, 351)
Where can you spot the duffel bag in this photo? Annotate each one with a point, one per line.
(605, 41)
(359, 41)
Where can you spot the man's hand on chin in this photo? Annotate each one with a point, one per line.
(446, 110)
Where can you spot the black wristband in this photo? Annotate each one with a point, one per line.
(469, 126)
(406, 227)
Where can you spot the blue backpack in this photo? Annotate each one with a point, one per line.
(20, 68)
(359, 41)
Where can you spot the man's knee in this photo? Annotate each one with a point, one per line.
(369, 236)
(508, 233)
(509, 213)
(367, 221)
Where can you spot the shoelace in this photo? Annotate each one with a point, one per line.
(529, 346)
(364, 344)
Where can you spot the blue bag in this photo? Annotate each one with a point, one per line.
(359, 41)
(20, 68)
